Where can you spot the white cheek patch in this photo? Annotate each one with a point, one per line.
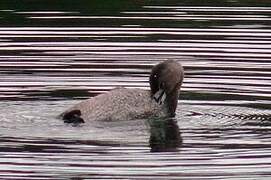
(163, 98)
(160, 96)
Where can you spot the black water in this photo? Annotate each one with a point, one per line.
(56, 53)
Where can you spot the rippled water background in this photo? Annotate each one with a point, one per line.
(56, 53)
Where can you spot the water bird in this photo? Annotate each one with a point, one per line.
(125, 104)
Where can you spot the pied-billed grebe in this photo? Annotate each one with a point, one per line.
(125, 104)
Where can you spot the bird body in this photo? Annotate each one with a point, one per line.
(120, 104)
(126, 104)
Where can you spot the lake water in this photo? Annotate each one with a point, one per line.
(55, 53)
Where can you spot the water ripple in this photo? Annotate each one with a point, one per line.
(52, 55)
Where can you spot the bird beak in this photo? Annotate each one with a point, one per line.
(160, 96)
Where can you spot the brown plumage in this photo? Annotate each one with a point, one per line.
(126, 104)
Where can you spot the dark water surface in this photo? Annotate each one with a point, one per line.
(56, 53)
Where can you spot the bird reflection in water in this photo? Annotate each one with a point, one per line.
(165, 135)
